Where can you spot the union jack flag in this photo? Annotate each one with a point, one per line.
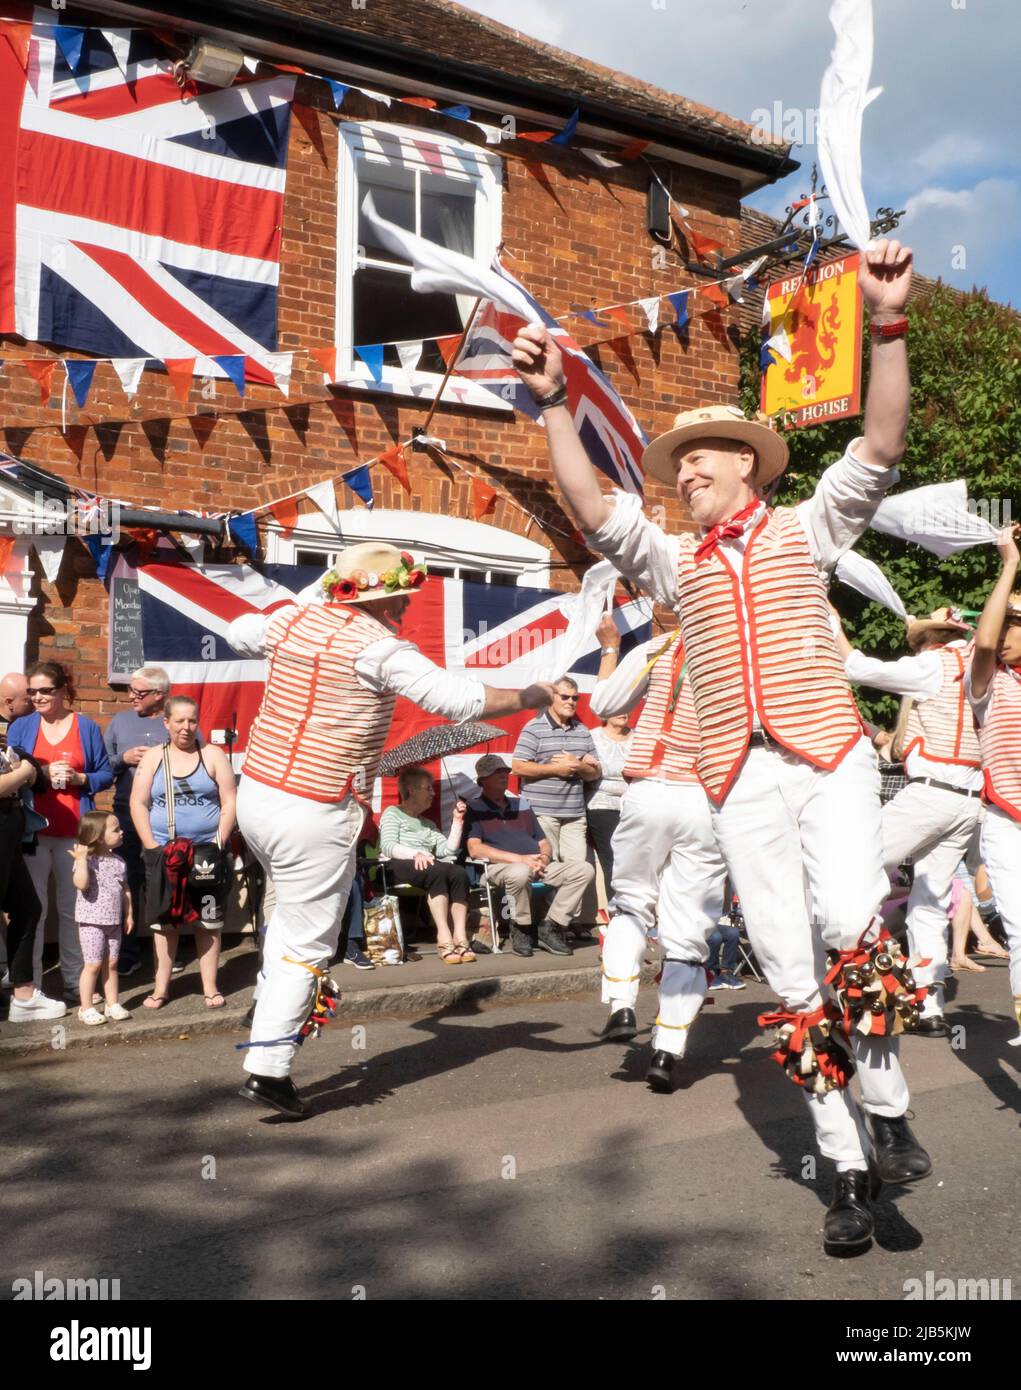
(500, 634)
(134, 223)
(612, 437)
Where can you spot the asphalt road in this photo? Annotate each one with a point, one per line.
(495, 1153)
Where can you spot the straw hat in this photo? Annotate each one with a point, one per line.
(942, 620)
(717, 422)
(369, 572)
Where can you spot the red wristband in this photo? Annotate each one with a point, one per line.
(895, 328)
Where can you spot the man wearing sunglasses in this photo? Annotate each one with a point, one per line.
(128, 737)
(555, 757)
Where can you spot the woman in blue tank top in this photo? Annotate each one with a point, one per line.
(204, 796)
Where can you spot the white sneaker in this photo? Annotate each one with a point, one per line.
(91, 1016)
(117, 1012)
(40, 1006)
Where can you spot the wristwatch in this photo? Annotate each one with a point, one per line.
(557, 397)
(608, 651)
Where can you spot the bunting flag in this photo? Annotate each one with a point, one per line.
(120, 46)
(6, 546)
(410, 354)
(372, 355)
(141, 225)
(716, 295)
(243, 533)
(394, 461)
(50, 550)
(233, 365)
(703, 246)
(42, 369)
(567, 134)
(457, 113)
(79, 375)
(448, 346)
(359, 480)
(129, 370)
(339, 91)
(102, 553)
(650, 308)
(631, 151)
(19, 36)
(180, 370)
(483, 499)
(598, 157)
(285, 513)
(324, 496)
(280, 365)
(539, 137)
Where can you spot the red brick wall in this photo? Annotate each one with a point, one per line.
(582, 241)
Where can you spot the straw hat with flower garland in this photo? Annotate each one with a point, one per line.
(947, 620)
(369, 572)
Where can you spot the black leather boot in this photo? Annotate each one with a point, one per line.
(848, 1224)
(935, 1026)
(660, 1075)
(278, 1092)
(898, 1154)
(621, 1026)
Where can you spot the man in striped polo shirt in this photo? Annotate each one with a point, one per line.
(792, 781)
(335, 669)
(555, 758)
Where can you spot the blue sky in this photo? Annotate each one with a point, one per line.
(941, 141)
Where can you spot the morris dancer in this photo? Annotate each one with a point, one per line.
(336, 668)
(933, 819)
(666, 866)
(994, 689)
(793, 782)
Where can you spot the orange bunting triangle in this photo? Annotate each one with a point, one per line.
(619, 315)
(633, 150)
(74, 438)
(327, 359)
(483, 499)
(42, 369)
(538, 136)
(145, 539)
(703, 246)
(202, 427)
(622, 347)
(427, 102)
(19, 36)
(395, 461)
(6, 546)
(717, 294)
(286, 514)
(180, 370)
(448, 346)
(289, 67)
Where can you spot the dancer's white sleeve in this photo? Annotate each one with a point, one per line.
(920, 676)
(843, 504)
(247, 634)
(619, 693)
(639, 549)
(399, 667)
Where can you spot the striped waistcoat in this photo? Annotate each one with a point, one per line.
(1000, 739)
(943, 729)
(319, 733)
(664, 744)
(767, 632)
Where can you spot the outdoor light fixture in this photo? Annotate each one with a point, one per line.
(215, 64)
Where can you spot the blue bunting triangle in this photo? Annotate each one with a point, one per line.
(766, 358)
(102, 553)
(69, 40)
(359, 480)
(339, 91)
(243, 532)
(234, 366)
(567, 134)
(80, 375)
(372, 355)
(459, 113)
(679, 299)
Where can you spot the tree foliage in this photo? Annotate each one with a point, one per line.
(965, 355)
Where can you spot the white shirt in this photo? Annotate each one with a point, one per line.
(920, 677)
(833, 518)
(391, 664)
(619, 693)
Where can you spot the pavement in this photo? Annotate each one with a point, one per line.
(497, 1150)
(388, 990)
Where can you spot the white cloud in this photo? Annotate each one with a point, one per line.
(541, 20)
(964, 235)
(951, 151)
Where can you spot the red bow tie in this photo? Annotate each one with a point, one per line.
(733, 526)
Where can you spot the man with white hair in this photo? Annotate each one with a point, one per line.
(792, 781)
(335, 669)
(128, 737)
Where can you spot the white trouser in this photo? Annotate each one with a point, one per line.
(308, 847)
(1001, 854)
(666, 869)
(53, 856)
(935, 829)
(793, 835)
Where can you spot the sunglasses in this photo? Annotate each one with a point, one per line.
(572, 698)
(134, 694)
(42, 690)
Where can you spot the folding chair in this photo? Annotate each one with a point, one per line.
(744, 948)
(538, 888)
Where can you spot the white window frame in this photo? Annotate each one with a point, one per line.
(376, 142)
(445, 540)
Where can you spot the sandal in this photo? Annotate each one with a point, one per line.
(966, 964)
(991, 953)
(209, 998)
(465, 952)
(154, 1001)
(449, 954)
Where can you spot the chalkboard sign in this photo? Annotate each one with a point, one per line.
(126, 654)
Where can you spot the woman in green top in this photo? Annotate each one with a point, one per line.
(420, 855)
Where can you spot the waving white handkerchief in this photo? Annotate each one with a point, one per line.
(842, 101)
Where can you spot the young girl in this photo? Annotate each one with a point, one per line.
(102, 903)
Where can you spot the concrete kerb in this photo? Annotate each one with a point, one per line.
(355, 1005)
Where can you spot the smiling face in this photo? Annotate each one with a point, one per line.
(715, 478)
(48, 699)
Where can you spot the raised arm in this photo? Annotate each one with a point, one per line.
(990, 624)
(398, 666)
(885, 279)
